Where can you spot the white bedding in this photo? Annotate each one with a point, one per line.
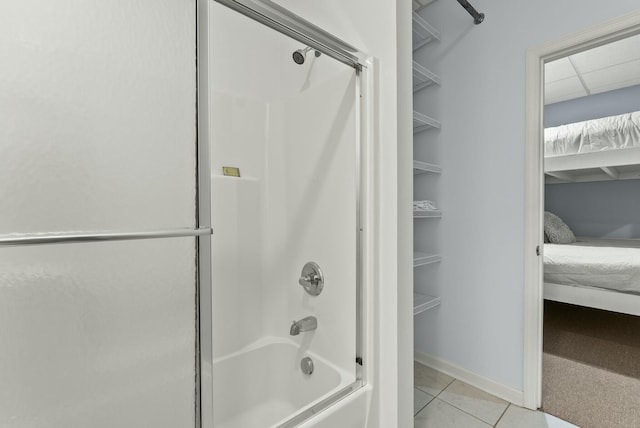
(603, 263)
(607, 133)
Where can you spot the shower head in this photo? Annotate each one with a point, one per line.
(300, 55)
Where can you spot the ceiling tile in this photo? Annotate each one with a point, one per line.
(615, 77)
(605, 56)
(558, 70)
(562, 90)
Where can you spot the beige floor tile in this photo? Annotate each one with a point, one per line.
(517, 417)
(420, 399)
(474, 401)
(439, 414)
(429, 380)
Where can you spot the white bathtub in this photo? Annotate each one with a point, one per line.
(263, 386)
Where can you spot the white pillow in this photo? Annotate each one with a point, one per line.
(556, 230)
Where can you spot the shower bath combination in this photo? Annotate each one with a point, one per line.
(286, 246)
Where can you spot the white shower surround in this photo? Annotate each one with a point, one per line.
(294, 139)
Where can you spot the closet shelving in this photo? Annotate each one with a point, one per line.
(422, 122)
(423, 167)
(424, 33)
(422, 77)
(421, 258)
(424, 302)
(427, 214)
(419, 4)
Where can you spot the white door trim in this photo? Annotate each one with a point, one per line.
(609, 31)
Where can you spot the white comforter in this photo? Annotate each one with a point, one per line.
(604, 263)
(607, 133)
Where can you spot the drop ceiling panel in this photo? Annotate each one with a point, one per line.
(558, 70)
(619, 52)
(605, 68)
(615, 77)
(562, 90)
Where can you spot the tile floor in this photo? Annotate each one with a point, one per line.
(441, 401)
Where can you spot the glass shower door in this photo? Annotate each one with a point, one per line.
(98, 135)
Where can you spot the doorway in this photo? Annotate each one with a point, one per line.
(535, 293)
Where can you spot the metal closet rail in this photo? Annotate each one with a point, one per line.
(477, 17)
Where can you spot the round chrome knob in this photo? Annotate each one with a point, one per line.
(306, 365)
(311, 278)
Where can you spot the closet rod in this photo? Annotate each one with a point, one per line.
(477, 17)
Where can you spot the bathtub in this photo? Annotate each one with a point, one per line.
(262, 385)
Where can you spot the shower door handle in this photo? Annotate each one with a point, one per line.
(311, 279)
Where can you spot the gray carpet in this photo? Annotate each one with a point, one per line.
(591, 366)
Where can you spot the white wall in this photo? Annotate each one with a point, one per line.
(481, 103)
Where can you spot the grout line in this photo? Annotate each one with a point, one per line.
(455, 407)
(448, 385)
(425, 405)
(459, 409)
(465, 412)
(501, 416)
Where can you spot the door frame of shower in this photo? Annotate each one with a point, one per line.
(604, 33)
(203, 405)
(282, 20)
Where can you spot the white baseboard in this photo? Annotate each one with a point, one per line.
(492, 387)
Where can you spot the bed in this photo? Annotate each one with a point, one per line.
(598, 273)
(594, 150)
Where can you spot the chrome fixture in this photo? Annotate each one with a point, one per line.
(301, 54)
(305, 324)
(311, 278)
(306, 365)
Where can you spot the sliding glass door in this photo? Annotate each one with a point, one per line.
(100, 227)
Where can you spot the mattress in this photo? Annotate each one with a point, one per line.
(612, 264)
(607, 133)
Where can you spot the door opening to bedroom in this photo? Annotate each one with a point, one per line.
(591, 224)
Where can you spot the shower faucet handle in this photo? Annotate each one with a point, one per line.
(311, 279)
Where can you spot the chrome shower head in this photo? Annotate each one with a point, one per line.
(300, 55)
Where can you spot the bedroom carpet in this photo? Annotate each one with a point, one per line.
(591, 366)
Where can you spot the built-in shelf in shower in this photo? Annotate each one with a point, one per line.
(422, 122)
(422, 77)
(423, 167)
(423, 32)
(421, 258)
(424, 302)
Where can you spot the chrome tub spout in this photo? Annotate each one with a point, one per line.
(305, 324)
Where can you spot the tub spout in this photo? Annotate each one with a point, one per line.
(305, 324)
